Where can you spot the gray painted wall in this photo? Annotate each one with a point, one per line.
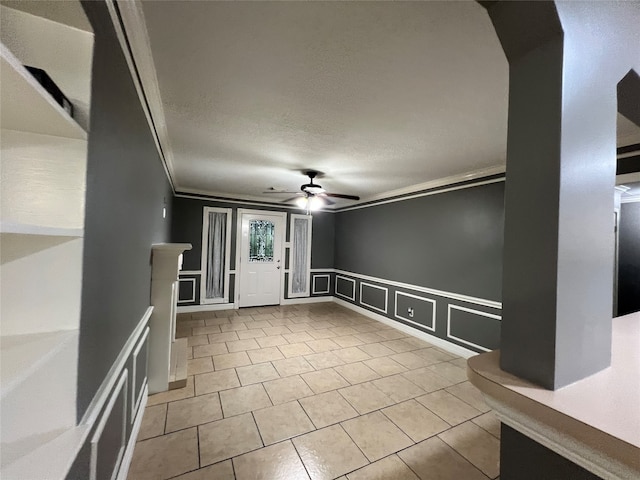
(126, 190)
(450, 241)
(187, 227)
(629, 259)
(523, 459)
(565, 61)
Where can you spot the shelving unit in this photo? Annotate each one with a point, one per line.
(42, 196)
(28, 107)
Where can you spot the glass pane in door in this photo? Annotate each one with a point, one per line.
(261, 240)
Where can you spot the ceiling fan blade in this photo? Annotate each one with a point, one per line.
(279, 191)
(340, 195)
(326, 200)
(289, 200)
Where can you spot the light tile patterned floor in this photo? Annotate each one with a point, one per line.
(314, 392)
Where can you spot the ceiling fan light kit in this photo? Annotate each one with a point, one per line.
(310, 203)
(312, 196)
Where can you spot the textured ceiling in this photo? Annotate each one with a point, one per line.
(380, 96)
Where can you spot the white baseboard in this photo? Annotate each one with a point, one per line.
(438, 342)
(230, 306)
(294, 301)
(204, 307)
(131, 444)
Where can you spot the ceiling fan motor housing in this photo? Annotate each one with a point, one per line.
(312, 188)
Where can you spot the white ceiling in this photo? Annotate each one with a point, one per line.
(380, 96)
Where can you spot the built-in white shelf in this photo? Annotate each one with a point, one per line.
(27, 229)
(38, 376)
(51, 460)
(27, 106)
(42, 198)
(22, 355)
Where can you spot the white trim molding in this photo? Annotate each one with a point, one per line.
(221, 197)
(133, 437)
(95, 439)
(135, 402)
(386, 297)
(298, 301)
(340, 277)
(436, 341)
(190, 272)
(468, 310)
(100, 397)
(413, 322)
(431, 291)
(628, 178)
(405, 193)
(204, 308)
(204, 253)
(313, 284)
(135, 28)
(308, 219)
(133, 19)
(193, 291)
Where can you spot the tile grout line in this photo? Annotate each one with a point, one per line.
(357, 446)
(258, 430)
(304, 465)
(384, 340)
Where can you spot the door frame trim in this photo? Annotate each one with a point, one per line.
(204, 254)
(240, 213)
(309, 219)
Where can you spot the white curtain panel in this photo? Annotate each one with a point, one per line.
(299, 273)
(215, 262)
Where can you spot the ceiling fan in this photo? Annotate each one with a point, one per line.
(311, 195)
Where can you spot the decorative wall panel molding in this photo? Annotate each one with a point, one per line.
(426, 311)
(320, 291)
(192, 296)
(372, 294)
(487, 331)
(342, 281)
(106, 457)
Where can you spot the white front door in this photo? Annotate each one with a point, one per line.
(261, 259)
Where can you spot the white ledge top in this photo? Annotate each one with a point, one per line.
(171, 246)
(601, 411)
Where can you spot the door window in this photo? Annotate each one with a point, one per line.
(261, 234)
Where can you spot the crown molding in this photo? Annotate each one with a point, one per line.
(411, 191)
(440, 182)
(227, 196)
(131, 30)
(628, 178)
(237, 199)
